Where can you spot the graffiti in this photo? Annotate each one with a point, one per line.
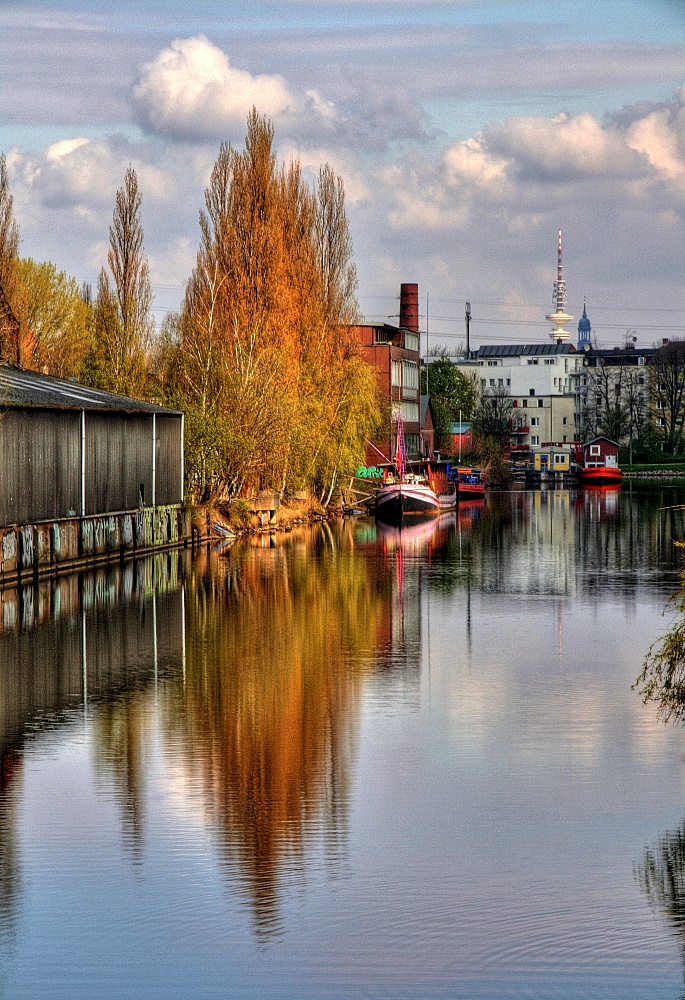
(140, 527)
(9, 546)
(27, 606)
(56, 541)
(27, 546)
(87, 536)
(127, 530)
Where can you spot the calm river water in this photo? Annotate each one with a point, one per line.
(351, 762)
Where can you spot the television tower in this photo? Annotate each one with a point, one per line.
(558, 333)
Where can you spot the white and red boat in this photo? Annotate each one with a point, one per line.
(423, 489)
(597, 462)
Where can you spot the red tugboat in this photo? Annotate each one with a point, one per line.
(597, 462)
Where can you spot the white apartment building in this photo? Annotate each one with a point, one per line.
(545, 383)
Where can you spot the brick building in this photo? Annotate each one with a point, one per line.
(394, 352)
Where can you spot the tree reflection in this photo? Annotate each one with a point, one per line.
(271, 700)
(661, 876)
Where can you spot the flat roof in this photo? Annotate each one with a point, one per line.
(20, 387)
(519, 350)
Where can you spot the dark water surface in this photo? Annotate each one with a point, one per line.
(351, 762)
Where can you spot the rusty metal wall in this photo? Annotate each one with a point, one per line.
(40, 465)
(168, 472)
(118, 461)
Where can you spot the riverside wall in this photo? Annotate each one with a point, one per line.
(49, 547)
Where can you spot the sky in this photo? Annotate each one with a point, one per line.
(467, 133)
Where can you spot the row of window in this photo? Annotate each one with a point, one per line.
(408, 410)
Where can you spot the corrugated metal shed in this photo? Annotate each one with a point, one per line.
(67, 450)
(19, 387)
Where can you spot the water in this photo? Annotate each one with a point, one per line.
(347, 761)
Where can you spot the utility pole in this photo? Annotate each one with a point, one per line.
(467, 318)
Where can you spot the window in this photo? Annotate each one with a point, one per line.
(641, 361)
(540, 402)
(535, 422)
(482, 383)
(595, 449)
(492, 364)
(413, 444)
(534, 439)
(396, 373)
(531, 392)
(500, 383)
(492, 383)
(411, 341)
(660, 422)
(564, 439)
(524, 402)
(409, 412)
(560, 459)
(508, 381)
(555, 381)
(549, 361)
(564, 421)
(410, 375)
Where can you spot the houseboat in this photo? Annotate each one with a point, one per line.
(597, 462)
(416, 488)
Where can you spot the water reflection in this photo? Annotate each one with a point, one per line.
(661, 876)
(245, 669)
(269, 717)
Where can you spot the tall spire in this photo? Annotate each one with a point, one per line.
(559, 300)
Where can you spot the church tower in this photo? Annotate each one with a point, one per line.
(584, 331)
(558, 333)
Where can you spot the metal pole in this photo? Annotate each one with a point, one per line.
(460, 433)
(83, 463)
(467, 317)
(154, 459)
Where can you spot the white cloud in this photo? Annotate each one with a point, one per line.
(191, 91)
(84, 174)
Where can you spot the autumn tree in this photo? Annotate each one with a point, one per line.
(58, 316)
(261, 360)
(122, 320)
(15, 338)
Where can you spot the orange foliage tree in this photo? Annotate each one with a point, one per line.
(261, 358)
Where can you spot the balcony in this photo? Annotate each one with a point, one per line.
(519, 430)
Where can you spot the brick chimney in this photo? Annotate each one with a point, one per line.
(409, 307)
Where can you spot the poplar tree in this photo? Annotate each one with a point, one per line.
(122, 321)
(264, 363)
(15, 338)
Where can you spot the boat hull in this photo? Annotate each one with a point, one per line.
(468, 491)
(399, 499)
(601, 476)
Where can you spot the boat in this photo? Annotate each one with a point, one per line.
(422, 489)
(470, 483)
(597, 462)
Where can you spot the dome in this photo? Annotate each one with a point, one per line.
(584, 324)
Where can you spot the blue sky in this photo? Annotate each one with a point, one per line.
(466, 134)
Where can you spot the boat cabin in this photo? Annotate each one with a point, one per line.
(601, 452)
(551, 458)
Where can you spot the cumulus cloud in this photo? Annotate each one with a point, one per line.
(82, 174)
(524, 165)
(191, 91)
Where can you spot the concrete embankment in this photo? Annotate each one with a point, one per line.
(50, 547)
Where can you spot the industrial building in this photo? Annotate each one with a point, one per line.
(83, 472)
